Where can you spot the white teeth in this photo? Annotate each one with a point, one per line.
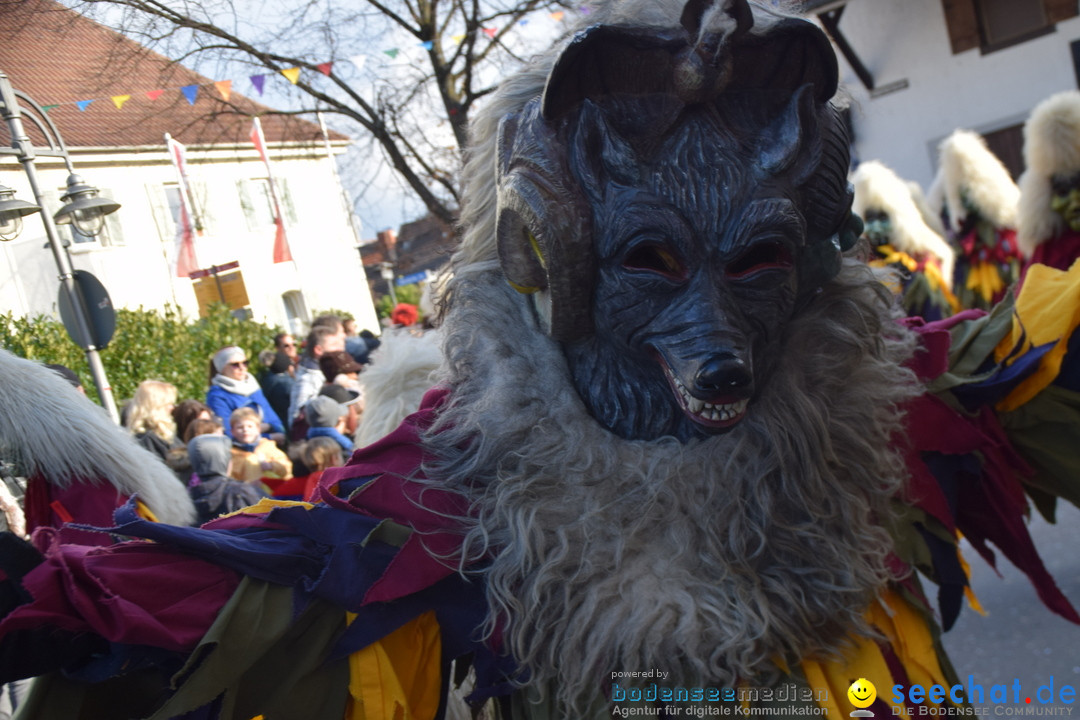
(708, 411)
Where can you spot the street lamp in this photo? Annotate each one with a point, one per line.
(386, 270)
(83, 207)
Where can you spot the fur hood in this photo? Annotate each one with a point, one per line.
(878, 188)
(969, 170)
(1051, 147)
(402, 369)
(49, 429)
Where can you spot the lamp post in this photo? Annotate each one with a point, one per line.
(386, 270)
(83, 207)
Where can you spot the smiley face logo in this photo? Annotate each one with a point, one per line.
(862, 693)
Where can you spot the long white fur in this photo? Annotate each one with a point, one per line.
(877, 187)
(1051, 147)
(401, 371)
(49, 429)
(968, 168)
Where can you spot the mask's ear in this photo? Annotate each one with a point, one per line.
(543, 228)
(606, 60)
(783, 58)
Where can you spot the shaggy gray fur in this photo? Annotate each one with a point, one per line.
(48, 428)
(709, 559)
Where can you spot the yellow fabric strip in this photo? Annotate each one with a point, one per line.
(911, 641)
(144, 512)
(266, 505)
(1048, 309)
(398, 677)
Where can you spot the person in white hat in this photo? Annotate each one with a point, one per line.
(976, 200)
(1048, 228)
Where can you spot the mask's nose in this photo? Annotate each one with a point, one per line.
(723, 373)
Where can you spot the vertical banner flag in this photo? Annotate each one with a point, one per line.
(281, 243)
(186, 227)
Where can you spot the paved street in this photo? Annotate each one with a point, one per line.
(1019, 638)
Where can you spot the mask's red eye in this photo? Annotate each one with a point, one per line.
(761, 257)
(656, 259)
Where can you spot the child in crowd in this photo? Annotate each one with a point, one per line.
(326, 418)
(215, 493)
(253, 456)
(317, 455)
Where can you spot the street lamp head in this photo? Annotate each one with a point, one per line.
(83, 207)
(11, 213)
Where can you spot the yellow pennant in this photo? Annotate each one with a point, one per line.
(458, 38)
(119, 100)
(557, 16)
(225, 88)
(292, 73)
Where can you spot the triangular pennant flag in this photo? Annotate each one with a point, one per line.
(154, 94)
(458, 38)
(392, 52)
(224, 87)
(119, 100)
(584, 10)
(47, 108)
(358, 61)
(83, 104)
(258, 81)
(426, 45)
(190, 92)
(524, 22)
(490, 32)
(325, 67)
(557, 16)
(293, 74)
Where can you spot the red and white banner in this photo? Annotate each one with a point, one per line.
(186, 226)
(281, 242)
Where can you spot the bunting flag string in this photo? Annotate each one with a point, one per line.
(224, 87)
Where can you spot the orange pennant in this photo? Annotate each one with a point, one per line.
(292, 73)
(557, 16)
(225, 88)
(119, 100)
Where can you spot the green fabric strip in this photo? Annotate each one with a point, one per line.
(265, 661)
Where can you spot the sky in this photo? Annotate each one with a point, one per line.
(380, 197)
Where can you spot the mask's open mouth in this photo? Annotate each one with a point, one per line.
(717, 413)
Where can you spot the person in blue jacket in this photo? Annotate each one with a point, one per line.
(232, 387)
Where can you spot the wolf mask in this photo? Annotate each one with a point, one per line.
(670, 200)
(654, 219)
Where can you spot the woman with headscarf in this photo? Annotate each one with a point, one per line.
(232, 387)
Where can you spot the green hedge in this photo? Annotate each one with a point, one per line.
(147, 345)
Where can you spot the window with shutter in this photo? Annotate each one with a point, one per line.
(997, 24)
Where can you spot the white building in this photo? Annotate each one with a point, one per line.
(939, 65)
(60, 58)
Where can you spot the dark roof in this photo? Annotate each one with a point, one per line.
(58, 57)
